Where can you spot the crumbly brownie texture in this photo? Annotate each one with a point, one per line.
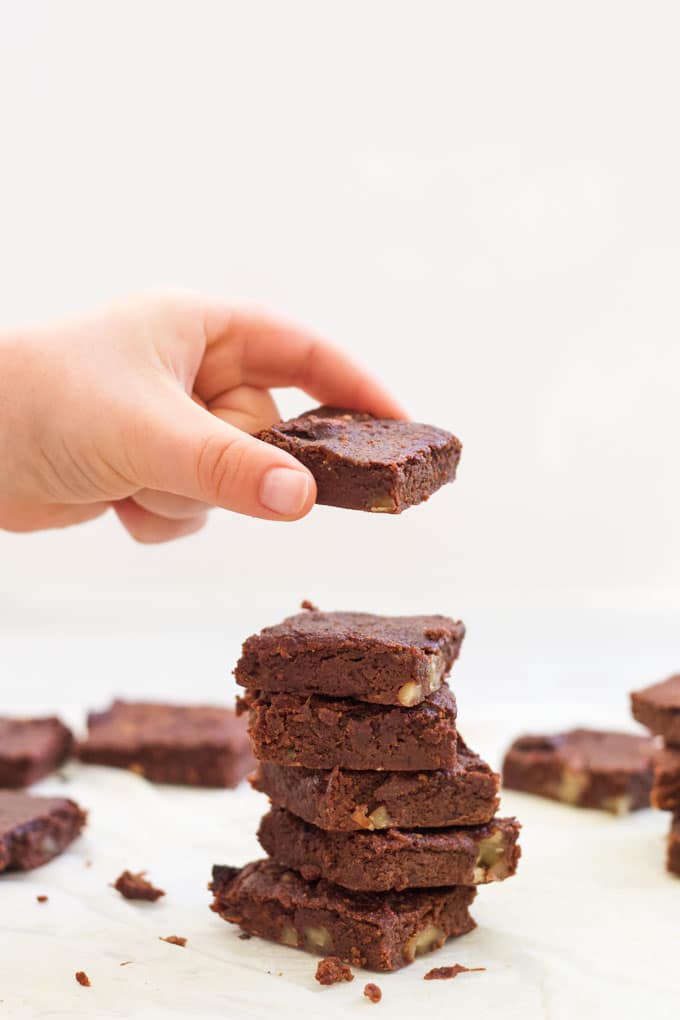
(33, 830)
(588, 768)
(135, 887)
(673, 855)
(658, 708)
(395, 859)
(666, 788)
(331, 970)
(380, 931)
(360, 462)
(30, 749)
(189, 745)
(342, 800)
(372, 992)
(322, 733)
(388, 660)
(446, 973)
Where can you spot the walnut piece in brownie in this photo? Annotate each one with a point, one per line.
(372, 992)
(359, 462)
(331, 970)
(396, 858)
(666, 788)
(673, 854)
(135, 887)
(658, 708)
(348, 800)
(192, 745)
(31, 749)
(325, 733)
(387, 660)
(379, 931)
(587, 768)
(446, 973)
(33, 830)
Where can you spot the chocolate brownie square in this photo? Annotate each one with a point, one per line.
(359, 462)
(322, 733)
(588, 768)
(666, 788)
(343, 800)
(31, 749)
(189, 745)
(387, 660)
(673, 855)
(380, 931)
(658, 708)
(396, 858)
(33, 830)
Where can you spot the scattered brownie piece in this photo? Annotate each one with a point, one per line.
(135, 887)
(444, 973)
(31, 748)
(359, 462)
(331, 970)
(83, 979)
(372, 992)
(174, 940)
(658, 708)
(125, 963)
(42, 899)
(190, 745)
(673, 856)
(33, 830)
(666, 789)
(387, 660)
(588, 768)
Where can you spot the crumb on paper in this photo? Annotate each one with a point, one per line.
(88, 864)
(372, 992)
(133, 886)
(82, 978)
(125, 963)
(306, 604)
(444, 973)
(42, 899)
(174, 940)
(331, 970)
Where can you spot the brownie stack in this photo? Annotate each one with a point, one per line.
(658, 708)
(382, 820)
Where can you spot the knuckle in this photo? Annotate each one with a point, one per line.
(220, 465)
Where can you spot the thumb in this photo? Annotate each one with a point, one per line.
(188, 451)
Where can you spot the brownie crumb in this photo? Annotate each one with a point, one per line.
(444, 973)
(174, 940)
(42, 899)
(82, 978)
(125, 963)
(244, 936)
(331, 970)
(135, 887)
(372, 992)
(306, 604)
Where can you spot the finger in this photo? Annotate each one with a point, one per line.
(19, 517)
(246, 407)
(192, 453)
(166, 504)
(252, 350)
(149, 528)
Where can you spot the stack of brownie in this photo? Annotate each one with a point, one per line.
(658, 708)
(382, 820)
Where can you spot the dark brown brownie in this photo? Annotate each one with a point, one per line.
(31, 748)
(322, 733)
(588, 768)
(190, 745)
(33, 830)
(135, 887)
(395, 859)
(380, 931)
(342, 800)
(388, 660)
(666, 788)
(673, 855)
(658, 708)
(364, 463)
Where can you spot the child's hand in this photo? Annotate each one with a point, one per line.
(100, 411)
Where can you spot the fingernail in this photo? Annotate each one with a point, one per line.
(284, 490)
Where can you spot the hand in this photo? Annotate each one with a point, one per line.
(148, 407)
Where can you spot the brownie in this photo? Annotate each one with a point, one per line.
(586, 768)
(380, 931)
(322, 733)
(395, 859)
(389, 660)
(666, 788)
(658, 708)
(31, 748)
(673, 854)
(33, 830)
(359, 462)
(344, 800)
(189, 745)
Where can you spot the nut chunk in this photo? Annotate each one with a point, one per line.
(381, 465)
(331, 970)
(136, 887)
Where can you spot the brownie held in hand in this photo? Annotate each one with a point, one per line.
(380, 931)
(31, 749)
(658, 708)
(588, 768)
(387, 660)
(395, 859)
(359, 462)
(33, 830)
(186, 744)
